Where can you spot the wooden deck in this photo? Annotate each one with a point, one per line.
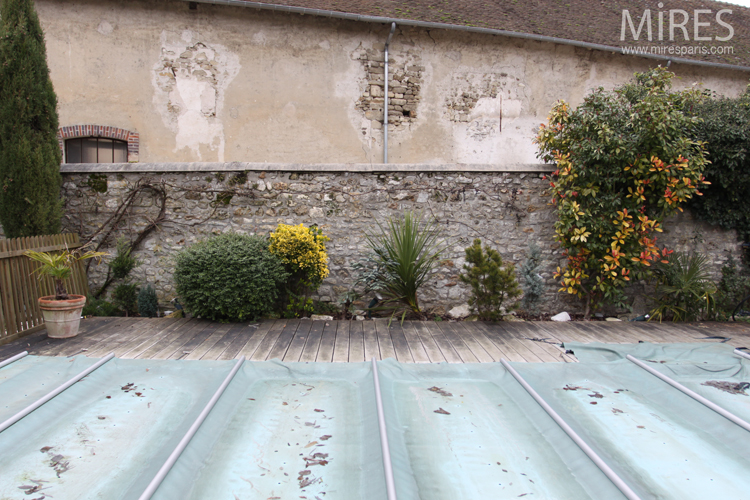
(353, 341)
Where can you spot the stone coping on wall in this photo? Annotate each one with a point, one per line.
(74, 168)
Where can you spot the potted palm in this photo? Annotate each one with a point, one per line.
(62, 311)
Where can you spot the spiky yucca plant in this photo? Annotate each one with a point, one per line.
(684, 291)
(405, 251)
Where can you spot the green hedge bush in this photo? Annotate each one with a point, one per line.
(230, 277)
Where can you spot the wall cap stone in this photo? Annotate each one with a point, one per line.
(72, 168)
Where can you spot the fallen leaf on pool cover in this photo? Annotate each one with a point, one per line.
(311, 444)
(440, 391)
(326, 437)
(442, 412)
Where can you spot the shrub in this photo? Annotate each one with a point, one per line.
(403, 255)
(725, 128)
(625, 161)
(684, 290)
(303, 253)
(124, 262)
(491, 283)
(533, 283)
(99, 307)
(30, 155)
(148, 303)
(230, 277)
(125, 297)
(733, 287)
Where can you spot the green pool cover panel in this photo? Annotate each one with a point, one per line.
(310, 430)
(286, 430)
(107, 435)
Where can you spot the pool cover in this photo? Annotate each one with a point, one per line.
(310, 430)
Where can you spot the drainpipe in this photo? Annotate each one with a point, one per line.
(385, 103)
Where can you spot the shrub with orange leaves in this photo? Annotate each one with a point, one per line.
(625, 161)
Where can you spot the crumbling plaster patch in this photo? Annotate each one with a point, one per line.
(190, 80)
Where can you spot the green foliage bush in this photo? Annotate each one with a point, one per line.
(533, 283)
(148, 303)
(733, 287)
(402, 256)
(492, 284)
(230, 277)
(124, 262)
(725, 128)
(100, 307)
(684, 290)
(626, 160)
(125, 297)
(30, 155)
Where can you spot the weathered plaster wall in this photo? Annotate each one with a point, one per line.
(236, 84)
(507, 210)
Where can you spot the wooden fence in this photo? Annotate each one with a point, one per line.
(20, 287)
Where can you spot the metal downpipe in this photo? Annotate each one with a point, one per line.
(390, 484)
(14, 358)
(612, 475)
(385, 103)
(718, 409)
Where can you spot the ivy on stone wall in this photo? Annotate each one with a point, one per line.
(725, 128)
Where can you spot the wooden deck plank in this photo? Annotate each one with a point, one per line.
(372, 350)
(226, 340)
(477, 350)
(144, 341)
(328, 342)
(356, 342)
(253, 343)
(186, 335)
(141, 330)
(468, 328)
(88, 340)
(418, 351)
(298, 342)
(434, 353)
(269, 341)
(282, 343)
(207, 343)
(519, 331)
(385, 342)
(458, 344)
(400, 344)
(247, 334)
(180, 334)
(445, 346)
(498, 337)
(310, 352)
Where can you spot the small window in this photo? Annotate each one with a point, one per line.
(95, 150)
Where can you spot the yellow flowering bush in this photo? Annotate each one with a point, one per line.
(303, 250)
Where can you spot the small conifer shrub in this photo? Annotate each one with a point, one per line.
(492, 284)
(148, 303)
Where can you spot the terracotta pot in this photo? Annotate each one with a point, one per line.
(62, 317)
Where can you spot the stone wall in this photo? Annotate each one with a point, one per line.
(506, 209)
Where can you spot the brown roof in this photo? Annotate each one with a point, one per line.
(591, 21)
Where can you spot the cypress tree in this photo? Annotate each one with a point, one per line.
(29, 151)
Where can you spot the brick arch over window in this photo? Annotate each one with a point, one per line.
(75, 131)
